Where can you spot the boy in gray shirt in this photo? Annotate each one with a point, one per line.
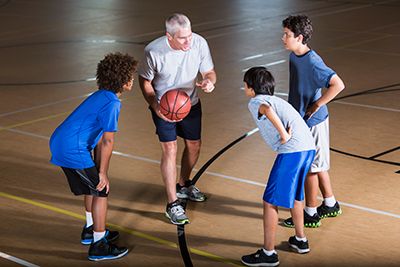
(285, 132)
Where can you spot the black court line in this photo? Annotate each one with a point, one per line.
(385, 152)
(5, 3)
(382, 89)
(47, 83)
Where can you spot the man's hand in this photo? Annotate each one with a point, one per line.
(206, 85)
(156, 108)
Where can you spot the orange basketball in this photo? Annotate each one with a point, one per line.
(175, 104)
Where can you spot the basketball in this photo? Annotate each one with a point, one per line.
(175, 104)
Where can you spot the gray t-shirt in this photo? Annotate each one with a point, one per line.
(176, 69)
(301, 139)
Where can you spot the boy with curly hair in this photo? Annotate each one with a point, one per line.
(90, 128)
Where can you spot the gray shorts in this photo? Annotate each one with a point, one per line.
(320, 132)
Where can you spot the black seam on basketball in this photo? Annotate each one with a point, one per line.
(173, 107)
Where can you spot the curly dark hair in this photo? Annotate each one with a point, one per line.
(114, 71)
(261, 80)
(299, 24)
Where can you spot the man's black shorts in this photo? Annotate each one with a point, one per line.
(189, 128)
(84, 182)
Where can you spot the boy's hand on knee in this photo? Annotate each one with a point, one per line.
(103, 183)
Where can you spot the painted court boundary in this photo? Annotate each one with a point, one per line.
(241, 180)
(120, 228)
(17, 260)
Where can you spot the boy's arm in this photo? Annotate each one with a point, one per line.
(336, 85)
(103, 152)
(269, 112)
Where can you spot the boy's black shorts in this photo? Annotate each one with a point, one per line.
(84, 182)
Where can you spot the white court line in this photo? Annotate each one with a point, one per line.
(17, 260)
(367, 106)
(44, 105)
(262, 55)
(268, 64)
(228, 177)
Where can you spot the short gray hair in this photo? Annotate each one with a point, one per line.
(175, 22)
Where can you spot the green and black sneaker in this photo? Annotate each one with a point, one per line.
(325, 211)
(309, 221)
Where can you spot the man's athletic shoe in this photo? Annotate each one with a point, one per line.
(300, 246)
(176, 213)
(325, 211)
(105, 250)
(309, 221)
(87, 235)
(260, 259)
(189, 191)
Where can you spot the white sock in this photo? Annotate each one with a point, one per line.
(269, 252)
(98, 235)
(89, 219)
(304, 239)
(310, 211)
(330, 201)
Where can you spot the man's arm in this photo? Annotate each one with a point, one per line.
(148, 93)
(269, 112)
(103, 152)
(208, 82)
(336, 85)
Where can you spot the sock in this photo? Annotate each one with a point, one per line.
(89, 219)
(304, 239)
(311, 211)
(269, 252)
(330, 201)
(98, 235)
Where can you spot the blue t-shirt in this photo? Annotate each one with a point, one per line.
(301, 139)
(308, 75)
(74, 139)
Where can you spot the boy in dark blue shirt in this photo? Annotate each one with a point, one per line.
(308, 75)
(90, 128)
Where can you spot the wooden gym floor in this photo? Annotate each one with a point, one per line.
(48, 56)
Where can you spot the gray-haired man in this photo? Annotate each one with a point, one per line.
(174, 61)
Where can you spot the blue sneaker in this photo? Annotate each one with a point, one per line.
(87, 235)
(105, 250)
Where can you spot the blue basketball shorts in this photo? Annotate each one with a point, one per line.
(287, 177)
(189, 128)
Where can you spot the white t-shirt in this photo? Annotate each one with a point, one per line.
(169, 69)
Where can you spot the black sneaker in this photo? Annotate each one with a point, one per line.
(309, 221)
(104, 250)
(300, 246)
(325, 211)
(260, 259)
(87, 235)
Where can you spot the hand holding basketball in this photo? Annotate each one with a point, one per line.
(175, 105)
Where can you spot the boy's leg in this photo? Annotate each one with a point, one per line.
(298, 218)
(99, 211)
(270, 224)
(298, 242)
(325, 184)
(311, 192)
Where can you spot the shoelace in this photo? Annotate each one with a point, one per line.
(177, 210)
(195, 190)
